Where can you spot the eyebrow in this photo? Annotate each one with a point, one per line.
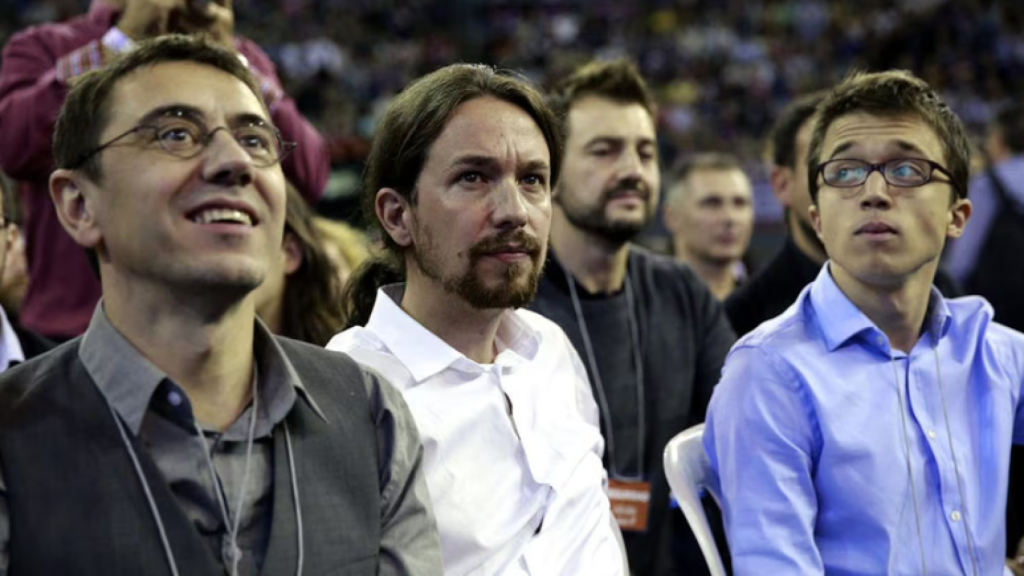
(901, 144)
(617, 141)
(489, 163)
(196, 115)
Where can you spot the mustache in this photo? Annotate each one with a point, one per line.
(518, 240)
(630, 185)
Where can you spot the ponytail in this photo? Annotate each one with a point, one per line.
(361, 292)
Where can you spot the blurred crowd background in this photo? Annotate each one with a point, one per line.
(721, 69)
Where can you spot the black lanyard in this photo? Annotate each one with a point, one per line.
(602, 398)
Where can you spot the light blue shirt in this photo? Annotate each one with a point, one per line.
(808, 436)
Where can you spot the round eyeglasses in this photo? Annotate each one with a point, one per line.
(186, 139)
(900, 172)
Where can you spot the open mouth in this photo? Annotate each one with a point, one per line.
(222, 215)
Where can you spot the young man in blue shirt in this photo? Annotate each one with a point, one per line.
(867, 429)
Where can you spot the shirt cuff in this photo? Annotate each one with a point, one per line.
(117, 41)
(80, 61)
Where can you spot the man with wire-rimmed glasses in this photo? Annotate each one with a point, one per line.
(41, 63)
(867, 429)
(178, 436)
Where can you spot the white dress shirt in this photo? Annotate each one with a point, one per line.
(512, 450)
(10, 345)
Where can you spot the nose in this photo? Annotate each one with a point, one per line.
(630, 164)
(510, 210)
(876, 192)
(227, 163)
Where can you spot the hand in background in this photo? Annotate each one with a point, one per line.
(150, 18)
(215, 18)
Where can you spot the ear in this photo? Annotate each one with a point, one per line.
(10, 236)
(75, 210)
(781, 180)
(815, 215)
(395, 215)
(957, 217)
(292, 253)
(669, 216)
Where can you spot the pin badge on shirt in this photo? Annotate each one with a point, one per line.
(630, 503)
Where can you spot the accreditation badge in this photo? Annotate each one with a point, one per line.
(630, 502)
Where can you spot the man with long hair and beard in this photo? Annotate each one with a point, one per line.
(653, 337)
(459, 179)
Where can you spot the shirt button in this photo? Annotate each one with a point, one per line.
(880, 341)
(174, 398)
(955, 516)
(931, 434)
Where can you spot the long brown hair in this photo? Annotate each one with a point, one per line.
(409, 127)
(311, 310)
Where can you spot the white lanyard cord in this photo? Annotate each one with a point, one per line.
(232, 527)
(956, 466)
(295, 499)
(168, 553)
(910, 469)
(638, 366)
(971, 551)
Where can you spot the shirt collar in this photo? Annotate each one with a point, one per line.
(840, 320)
(10, 346)
(128, 380)
(424, 354)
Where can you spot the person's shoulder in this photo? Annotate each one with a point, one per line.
(667, 280)
(791, 327)
(32, 344)
(369, 351)
(292, 346)
(549, 331)
(536, 321)
(974, 316)
(43, 34)
(354, 338)
(661, 266)
(23, 385)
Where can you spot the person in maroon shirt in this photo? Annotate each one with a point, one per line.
(37, 68)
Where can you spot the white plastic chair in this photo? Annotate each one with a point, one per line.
(688, 471)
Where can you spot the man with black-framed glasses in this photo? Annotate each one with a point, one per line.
(867, 429)
(197, 443)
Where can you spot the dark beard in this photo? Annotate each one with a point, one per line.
(519, 285)
(593, 220)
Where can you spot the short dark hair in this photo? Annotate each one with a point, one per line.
(703, 161)
(408, 129)
(617, 80)
(85, 112)
(890, 94)
(711, 161)
(1009, 122)
(783, 133)
(311, 310)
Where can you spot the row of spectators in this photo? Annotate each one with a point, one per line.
(720, 69)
